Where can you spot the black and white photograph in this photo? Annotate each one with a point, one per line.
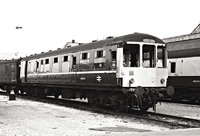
(99, 67)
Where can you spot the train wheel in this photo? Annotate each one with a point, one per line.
(118, 106)
(143, 105)
(16, 91)
(56, 95)
(28, 93)
(175, 98)
(41, 93)
(56, 92)
(144, 109)
(193, 100)
(21, 91)
(8, 92)
(93, 101)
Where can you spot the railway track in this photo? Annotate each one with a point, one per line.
(181, 102)
(169, 121)
(172, 122)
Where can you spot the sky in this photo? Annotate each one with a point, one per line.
(50, 24)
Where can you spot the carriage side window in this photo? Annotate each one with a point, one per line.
(55, 60)
(84, 56)
(65, 59)
(149, 60)
(99, 61)
(173, 67)
(46, 61)
(84, 61)
(131, 55)
(99, 54)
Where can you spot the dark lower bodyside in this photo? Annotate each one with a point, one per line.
(186, 87)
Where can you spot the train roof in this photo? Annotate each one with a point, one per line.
(136, 37)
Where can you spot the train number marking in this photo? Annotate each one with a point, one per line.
(82, 78)
(196, 81)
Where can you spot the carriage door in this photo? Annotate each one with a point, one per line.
(113, 65)
(179, 67)
(26, 70)
(73, 79)
(175, 67)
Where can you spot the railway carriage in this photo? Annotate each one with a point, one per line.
(121, 72)
(9, 74)
(129, 71)
(184, 67)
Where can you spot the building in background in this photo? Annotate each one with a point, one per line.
(196, 30)
(184, 45)
(8, 55)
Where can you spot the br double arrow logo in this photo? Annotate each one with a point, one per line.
(99, 78)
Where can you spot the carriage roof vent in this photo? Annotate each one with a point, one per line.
(94, 40)
(72, 43)
(109, 37)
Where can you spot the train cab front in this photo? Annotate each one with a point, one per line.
(142, 71)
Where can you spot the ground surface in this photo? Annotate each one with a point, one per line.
(23, 117)
(28, 118)
(183, 110)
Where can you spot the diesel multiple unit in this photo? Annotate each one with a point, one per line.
(123, 72)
